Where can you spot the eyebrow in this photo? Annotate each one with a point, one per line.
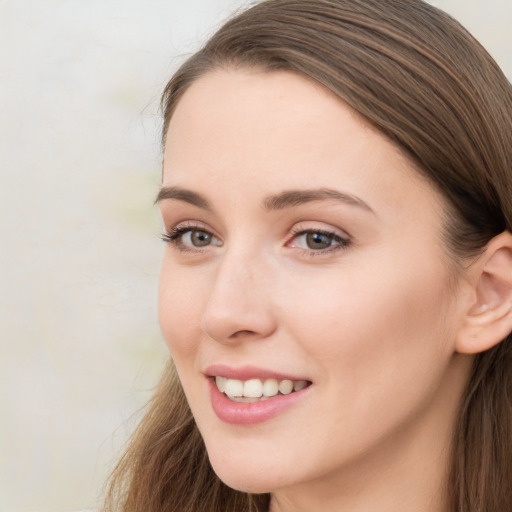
(182, 194)
(291, 198)
(281, 201)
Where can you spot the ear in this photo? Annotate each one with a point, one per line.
(488, 319)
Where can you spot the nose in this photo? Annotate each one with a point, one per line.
(239, 306)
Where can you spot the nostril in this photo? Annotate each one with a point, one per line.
(243, 333)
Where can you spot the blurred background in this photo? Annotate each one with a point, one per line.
(80, 348)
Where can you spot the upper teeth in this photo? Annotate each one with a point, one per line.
(256, 388)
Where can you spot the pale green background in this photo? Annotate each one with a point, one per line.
(80, 346)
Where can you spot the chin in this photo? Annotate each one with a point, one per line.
(246, 475)
(248, 483)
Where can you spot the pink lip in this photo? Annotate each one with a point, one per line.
(242, 413)
(248, 372)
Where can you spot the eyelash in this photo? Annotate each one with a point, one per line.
(176, 234)
(343, 243)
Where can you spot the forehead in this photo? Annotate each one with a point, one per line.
(279, 130)
(257, 103)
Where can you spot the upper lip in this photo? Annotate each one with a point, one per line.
(248, 372)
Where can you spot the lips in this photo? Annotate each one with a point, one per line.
(249, 372)
(249, 395)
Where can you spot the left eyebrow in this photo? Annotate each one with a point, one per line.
(291, 198)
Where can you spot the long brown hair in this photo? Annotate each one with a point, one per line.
(423, 81)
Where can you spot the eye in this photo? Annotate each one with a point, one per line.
(197, 238)
(318, 241)
(190, 238)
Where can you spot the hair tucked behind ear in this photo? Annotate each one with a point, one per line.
(418, 77)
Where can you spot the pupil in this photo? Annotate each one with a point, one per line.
(200, 238)
(318, 241)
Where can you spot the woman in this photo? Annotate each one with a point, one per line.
(336, 291)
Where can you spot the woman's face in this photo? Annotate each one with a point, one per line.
(303, 246)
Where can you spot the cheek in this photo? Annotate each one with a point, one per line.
(374, 320)
(380, 346)
(180, 302)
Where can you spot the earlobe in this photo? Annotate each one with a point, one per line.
(488, 319)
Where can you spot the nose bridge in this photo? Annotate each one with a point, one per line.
(239, 303)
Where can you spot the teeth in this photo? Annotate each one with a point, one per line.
(221, 383)
(286, 387)
(270, 387)
(300, 384)
(253, 389)
(234, 387)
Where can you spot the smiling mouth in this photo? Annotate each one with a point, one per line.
(254, 390)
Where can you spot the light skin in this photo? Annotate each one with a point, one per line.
(345, 281)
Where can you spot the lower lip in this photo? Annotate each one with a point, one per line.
(242, 413)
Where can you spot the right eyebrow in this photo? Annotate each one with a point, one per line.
(182, 194)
